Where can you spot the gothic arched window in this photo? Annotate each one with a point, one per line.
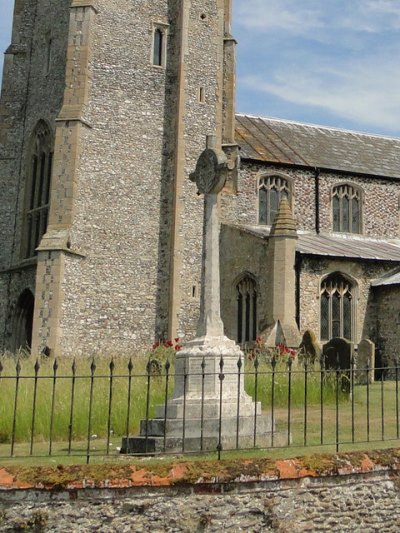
(337, 307)
(23, 321)
(271, 190)
(37, 188)
(346, 209)
(246, 294)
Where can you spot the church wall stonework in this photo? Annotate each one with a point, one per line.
(120, 263)
(361, 273)
(241, 254)
(386, 326)
(27, 84)
(378, 222)
(127, 137)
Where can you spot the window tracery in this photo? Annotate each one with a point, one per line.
(246, 294)
(271, 190)
(337, 307)
(346, 209)
(38, 188)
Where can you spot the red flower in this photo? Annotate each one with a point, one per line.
(156, 345)
(178, 347)
(168, 344)
(177, 339)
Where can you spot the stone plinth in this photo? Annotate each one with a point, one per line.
(193, 418)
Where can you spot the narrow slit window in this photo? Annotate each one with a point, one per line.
(158, 47)
(202, 95)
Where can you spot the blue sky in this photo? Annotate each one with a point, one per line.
(330, 62)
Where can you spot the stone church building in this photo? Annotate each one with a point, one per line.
(104, 111)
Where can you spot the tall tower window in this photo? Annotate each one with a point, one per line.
(246, 294)
(37, 195)
(159, 50)
(346, 209)
(337, 307)
(158, 47)
(271, 190)
(49, 53)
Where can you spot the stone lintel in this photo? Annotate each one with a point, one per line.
(84, 3)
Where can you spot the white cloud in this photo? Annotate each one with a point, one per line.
(311, 18)
(364, 92)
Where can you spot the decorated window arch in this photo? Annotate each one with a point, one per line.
(246, 310)
(337, 312)
(271, 190)
(346, 208)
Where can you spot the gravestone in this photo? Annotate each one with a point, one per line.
(337, 355)
(365, 362)
(209, 407)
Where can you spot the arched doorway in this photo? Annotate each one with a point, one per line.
(23, 321)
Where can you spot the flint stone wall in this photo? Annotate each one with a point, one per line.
(358, 503)
(379, 223)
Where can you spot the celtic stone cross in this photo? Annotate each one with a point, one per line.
(210, 176)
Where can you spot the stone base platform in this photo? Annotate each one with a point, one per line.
(197, 437)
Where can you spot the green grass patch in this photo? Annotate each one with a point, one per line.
(368, 418)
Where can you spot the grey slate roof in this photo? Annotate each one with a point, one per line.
(335, 246)
(325, 245)
(280, 141)
(394, 279)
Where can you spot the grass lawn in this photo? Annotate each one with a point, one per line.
(360, 428)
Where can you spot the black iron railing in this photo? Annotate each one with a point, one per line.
(87, 408)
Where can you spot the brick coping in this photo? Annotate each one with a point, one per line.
(196, 473)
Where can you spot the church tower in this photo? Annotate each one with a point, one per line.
(105, 108)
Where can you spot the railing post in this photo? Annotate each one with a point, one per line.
(167, 367)
(239, 367)
(128, 408)
(53, 396)
(256, 365)
(221, 377)
(17, 378)
(305, 399)
(322, 379)
(71, 410)
(92, 371)
(203, 375)
(273, 365)
(289, 365)
(35, 383)
(110, 397)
